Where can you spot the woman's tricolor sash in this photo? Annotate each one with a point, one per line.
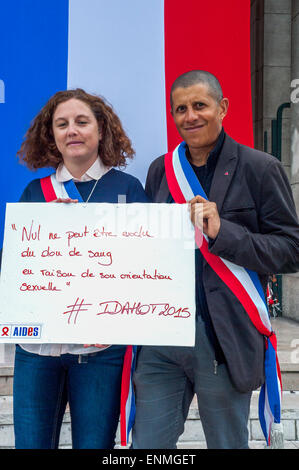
(52, 189)
(244, 283)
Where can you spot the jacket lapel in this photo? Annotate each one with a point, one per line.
(224, 171)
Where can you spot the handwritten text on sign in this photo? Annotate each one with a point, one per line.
(97, 273)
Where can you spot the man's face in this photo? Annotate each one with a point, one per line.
(198, 116)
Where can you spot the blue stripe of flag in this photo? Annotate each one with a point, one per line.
(33, 66)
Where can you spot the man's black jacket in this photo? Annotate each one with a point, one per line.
(259, 231)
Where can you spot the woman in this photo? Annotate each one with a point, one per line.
(80, 136)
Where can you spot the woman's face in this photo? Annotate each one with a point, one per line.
(76, 132)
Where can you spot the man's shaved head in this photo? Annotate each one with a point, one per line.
(198, 76)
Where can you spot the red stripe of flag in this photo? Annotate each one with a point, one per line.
(212, 36)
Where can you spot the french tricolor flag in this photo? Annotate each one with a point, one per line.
(130, 52)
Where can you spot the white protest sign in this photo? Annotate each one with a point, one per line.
(98, 273)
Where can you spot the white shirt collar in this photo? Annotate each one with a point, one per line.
(95, 172)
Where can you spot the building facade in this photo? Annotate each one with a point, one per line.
(275, 101)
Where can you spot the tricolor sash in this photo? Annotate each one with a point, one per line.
(52, 189)
(244, 283)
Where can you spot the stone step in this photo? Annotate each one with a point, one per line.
(289, 374)
(287, 332)
(6, 380)
(193, 436)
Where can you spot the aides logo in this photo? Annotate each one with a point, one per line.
(20, 331)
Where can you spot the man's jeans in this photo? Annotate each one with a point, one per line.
(166, 380)
(43, 385)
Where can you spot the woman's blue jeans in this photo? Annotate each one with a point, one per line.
(43, 385)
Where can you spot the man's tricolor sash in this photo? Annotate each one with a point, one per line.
(245, 285)
(52, 189)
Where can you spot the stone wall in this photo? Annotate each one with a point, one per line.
(274, 69)
(291, 281)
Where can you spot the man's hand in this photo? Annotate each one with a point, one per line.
(204, 215)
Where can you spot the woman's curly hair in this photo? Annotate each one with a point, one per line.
(39, 150)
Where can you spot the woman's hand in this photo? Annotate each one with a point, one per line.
(66, 200)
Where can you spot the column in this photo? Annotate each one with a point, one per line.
(291, 281)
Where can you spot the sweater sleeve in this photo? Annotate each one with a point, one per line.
(136, 192)
(32, 192)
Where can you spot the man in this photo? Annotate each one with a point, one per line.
(249, 219)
